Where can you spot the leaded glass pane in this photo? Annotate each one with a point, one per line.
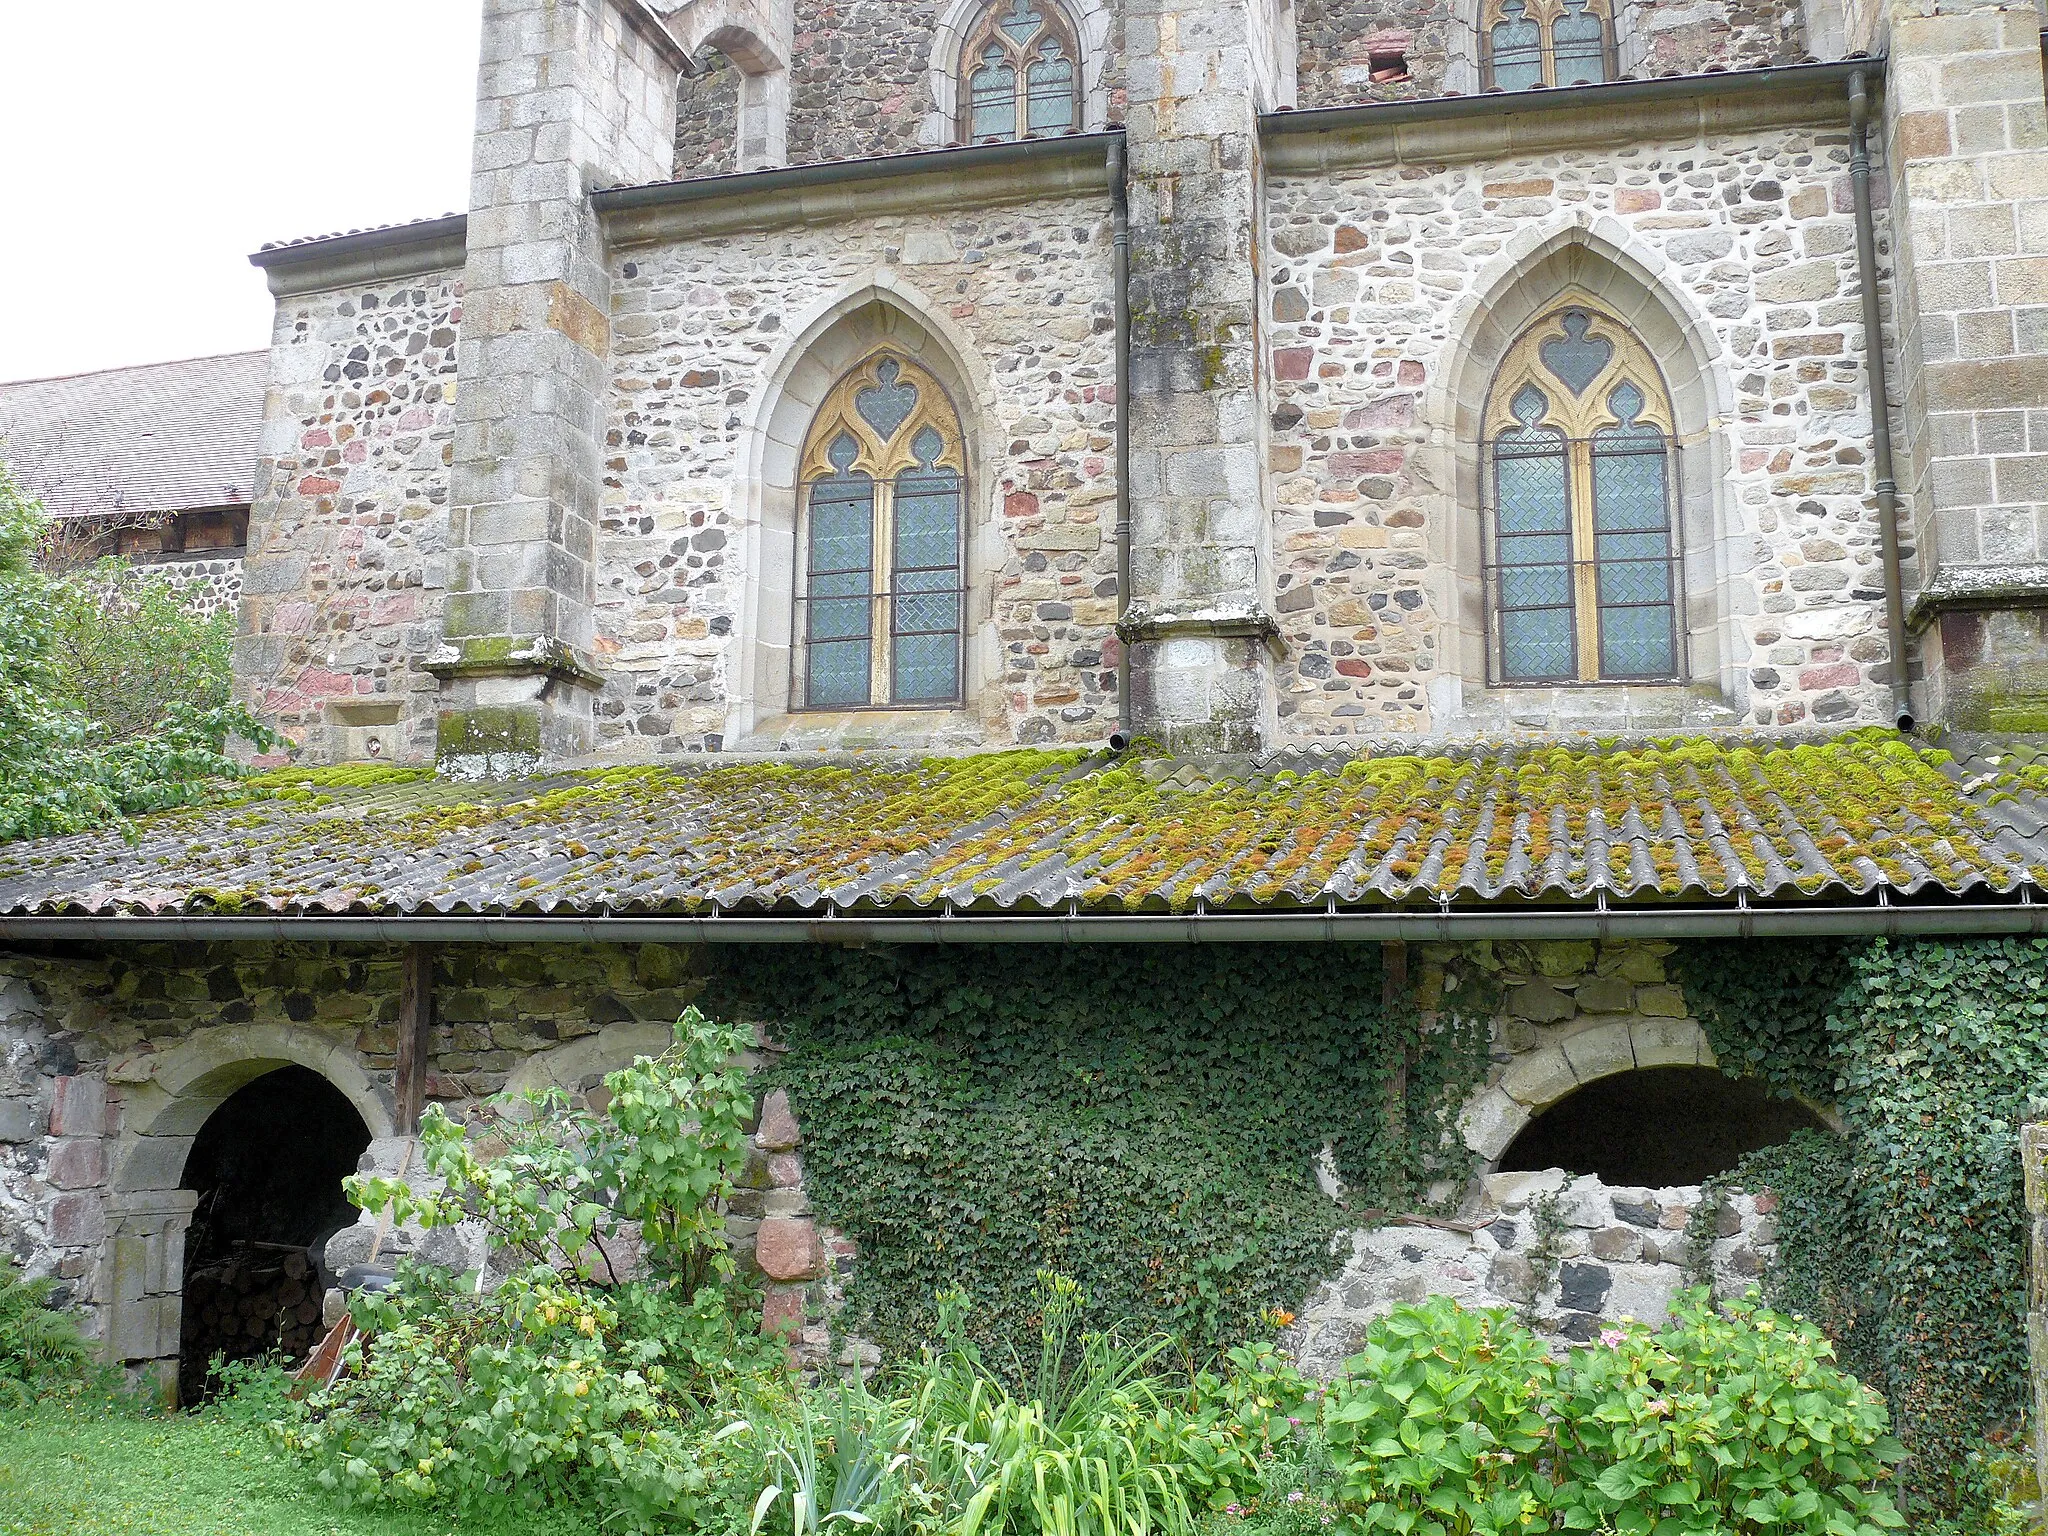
(1636, 642)
(1632, 537)
(1579, 45)
(886, 404)
(925, 645)
(1049, 87)
(1534, 582)
(1576, 358)
(1517, 49)
(1022, 22)
(993, 92)
(838, 647)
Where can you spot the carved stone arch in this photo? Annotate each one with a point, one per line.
(194, 1078)
(1092, 22)
(756, 35)
(881, 310)
(1601, 258)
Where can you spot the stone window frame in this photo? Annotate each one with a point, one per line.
(1600, 258)
(1578, 419)
(991, 35)
(880, 311)
(881, 461)
(1546, 14)
(1089, 22)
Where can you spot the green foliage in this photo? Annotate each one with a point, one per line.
(562, 1184)
(1912, 1243)
(67, 652)
(1456, 1423)
(1143, 1120)
(1433, 1428)
(38, 1347)
(550, 1388)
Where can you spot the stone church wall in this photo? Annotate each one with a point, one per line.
(345, 573)
(699, 329)
(708, 118)
(1369, 270)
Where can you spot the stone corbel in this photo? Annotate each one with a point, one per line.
(1973, 589)
(1141, 626)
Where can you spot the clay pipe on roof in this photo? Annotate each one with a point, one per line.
(1120, 242)
(1880, 397)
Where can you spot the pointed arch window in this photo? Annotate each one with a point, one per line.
(1527, 43)
(1583, 569)
(1021, 73)
(880, 595)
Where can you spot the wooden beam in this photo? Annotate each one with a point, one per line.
(415, 1034)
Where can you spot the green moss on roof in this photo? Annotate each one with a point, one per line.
(1045, 830)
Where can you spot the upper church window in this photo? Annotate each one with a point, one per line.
(1527, 43)
(880, 595)
(1020, 68)
(1582, 570)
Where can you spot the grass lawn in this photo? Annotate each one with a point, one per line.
(95, 1466)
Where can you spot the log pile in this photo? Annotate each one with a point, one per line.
(261, 1298)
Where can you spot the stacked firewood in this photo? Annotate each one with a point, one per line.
(261, 1297)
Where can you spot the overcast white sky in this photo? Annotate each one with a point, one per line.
(147, 147)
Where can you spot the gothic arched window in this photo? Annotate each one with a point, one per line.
(880, 597)
(1020, 73)
(1527, 43)
(1582, 568)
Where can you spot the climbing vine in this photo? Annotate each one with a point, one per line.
(1907, 1238)
(1143, 1119)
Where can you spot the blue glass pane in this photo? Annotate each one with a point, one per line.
(927, 669)
(886, 404)
(1636, 642)
(1517, 48)
(1022, 21)
(925, 656)
(927, 522)
(1579, 44)
(1530, 476)
(837, 614)
(1049, 91)
(993, 92)
(1536, 645)
(1575, 357)
(1628, 489)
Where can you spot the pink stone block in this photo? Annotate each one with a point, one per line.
(786, 1248)
(77, 1221)
(79, 1107)
(78, 1164)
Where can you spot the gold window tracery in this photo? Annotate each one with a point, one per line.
(1020, 73)
(1583, 567)
(880, 593)
(1527, 43)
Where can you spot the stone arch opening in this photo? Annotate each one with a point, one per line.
(265, 1171)
(1656, 1127)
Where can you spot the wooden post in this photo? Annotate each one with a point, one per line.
(415, 1037)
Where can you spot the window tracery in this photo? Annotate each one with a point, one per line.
(1020, 73)
(881, 595)
(1583, 568)
(1527, 43)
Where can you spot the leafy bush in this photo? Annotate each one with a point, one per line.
(38, 1347)
(1453, 1423)
(67, 654)
(549, 1387)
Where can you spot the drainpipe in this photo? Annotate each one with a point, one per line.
(1880, 396)
(1120, 241)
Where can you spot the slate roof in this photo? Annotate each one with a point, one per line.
(165, 437)
(1038, 831)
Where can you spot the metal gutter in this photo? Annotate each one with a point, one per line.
(1880, 397)
(2022, 915)
(1614, 96)
(635, 213)
(366, 255)
(1120, 240)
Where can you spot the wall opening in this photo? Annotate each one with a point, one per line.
(267, 1168)
(1656, 1127)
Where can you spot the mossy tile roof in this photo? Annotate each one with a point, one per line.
(1703, 819)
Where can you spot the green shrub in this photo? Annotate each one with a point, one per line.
(552, 1388)
(1455, 1423)
(39, 1348)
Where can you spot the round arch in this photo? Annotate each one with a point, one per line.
(196, 1077)
(833, 336)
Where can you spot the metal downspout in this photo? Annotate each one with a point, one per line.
(1120, 241)
(1880, 397)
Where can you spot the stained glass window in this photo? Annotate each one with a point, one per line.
(1583, 567)
(1020, 68)
(1527, 43)
(882, 603)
